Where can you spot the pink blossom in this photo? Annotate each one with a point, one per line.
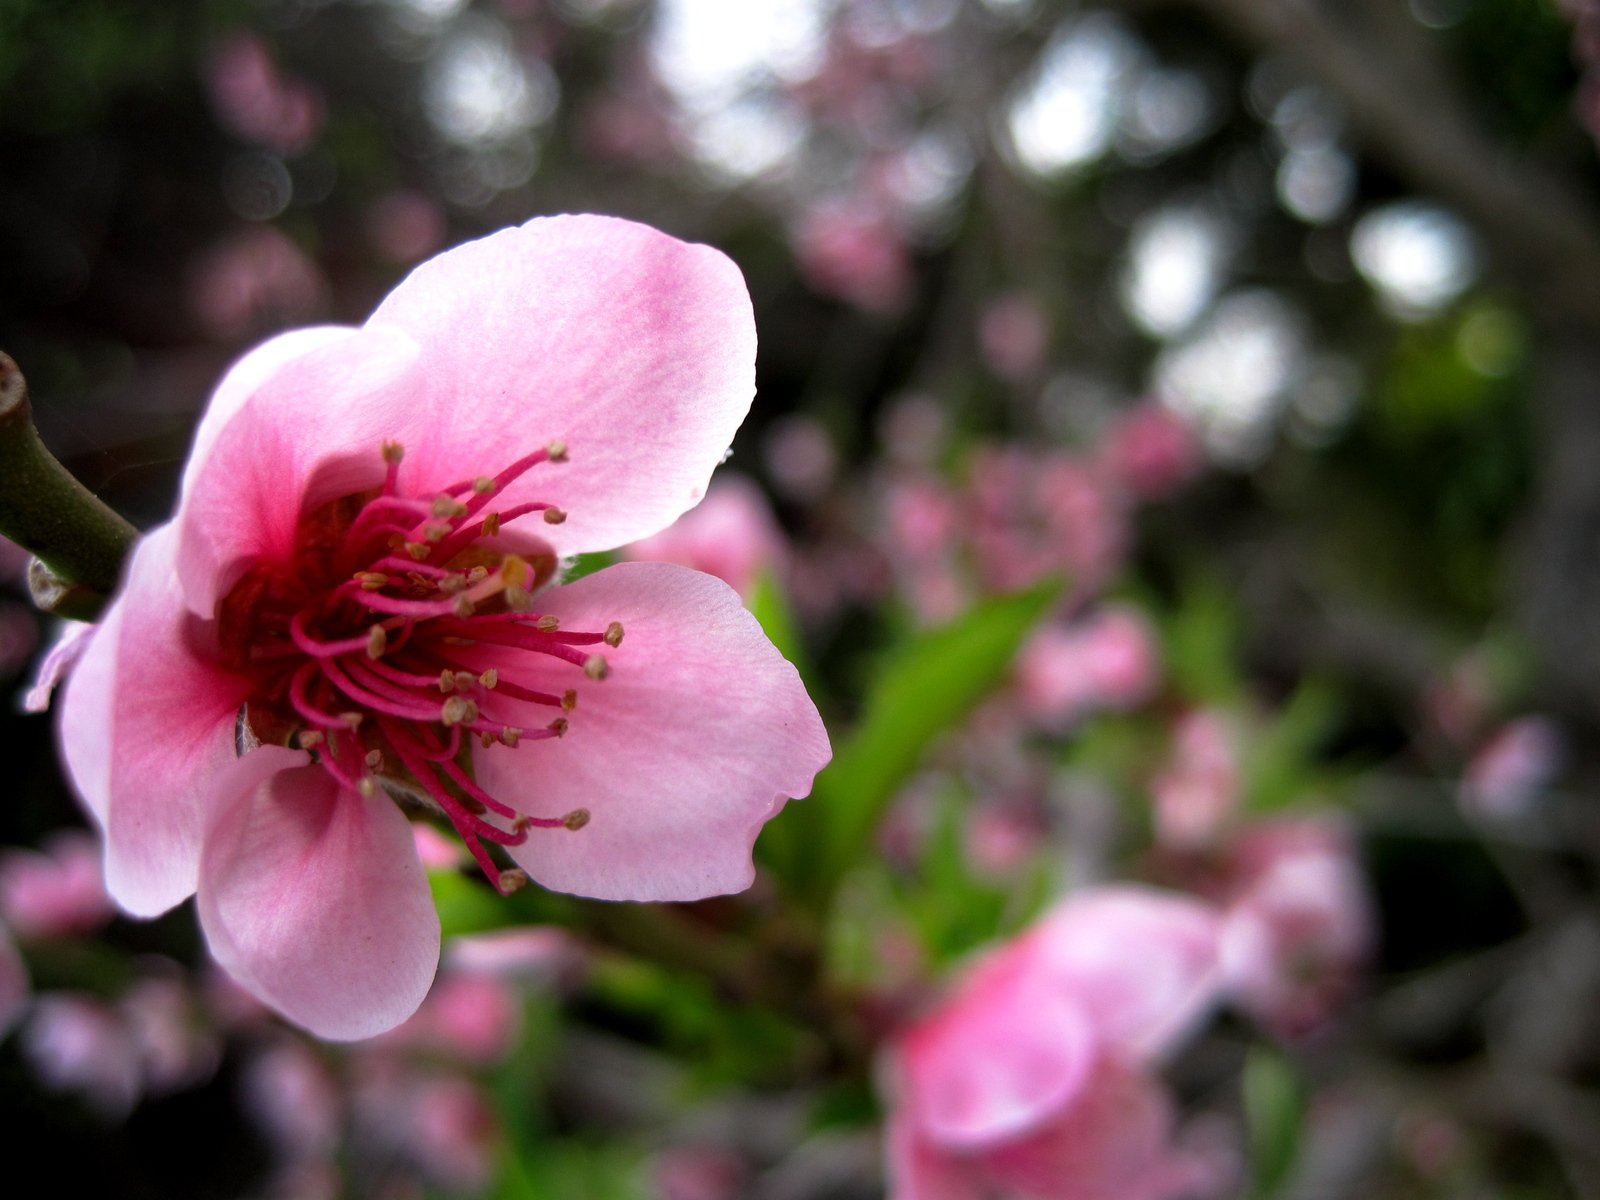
(256, 279)
(698, 1173)
(14, 985)
(54, 892)
(849, 251)
(1299, 928)
(1030, 1079)
(1108, 661)
(176, 1048)
(1510, 769)
(294, 1099)
(405, 226)
(1014, 336)
(1152, 451)
(254, 100)
(347, 605)
(1197, 792)
(78, 1044)
(468, 1016)
(731, 534)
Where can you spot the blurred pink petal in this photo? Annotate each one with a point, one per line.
(56, 892)
(731, 534)
(1299, 929)
(256, 101)
(1511, 768)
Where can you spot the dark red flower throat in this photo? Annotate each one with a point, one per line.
(367, 647)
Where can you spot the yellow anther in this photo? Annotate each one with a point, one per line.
(559, 727)
(514, 571)
(418, 550)
(613, 634)
(513, 880)
(458, 710)
(463, 605)
(554, 516)
(307, 738)
(547, 623)
(451, 584)
(576, 819)
(393, 452)
(489, 678)
(465, 680)
(377, 641)
(511, 735)
(518, 599)
(491, 524)
(485, 738)
(557, 451)
(353, 719)
(596, 667)
(482, 485)
(447, 680)
(569, 699)
(477, 574)
(374, 759)
(368, 786)
(448, 506)
(371, 581)
(435, 531)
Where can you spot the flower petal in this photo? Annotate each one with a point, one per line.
(146, 724)
(312, 897)
(1145, 964)
(1112, 1143)
(919, 1170)
(700, 734)
(297, 423)
(998, 1058)
(635, 349)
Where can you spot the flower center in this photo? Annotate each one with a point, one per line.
(397, 634)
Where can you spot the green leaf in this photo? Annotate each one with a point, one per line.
(925, 688)
(1274, 1108)
(770, 606)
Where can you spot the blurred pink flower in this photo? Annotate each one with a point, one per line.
(177, 1049)
(257, 279)
(1509, 770)
(451, 1133)
(850, 251)
(1152, 452)
(731, 534)
(14, 984)
(698, 1173)
(1197, 792)
(1014, 335)
(1107, 661)
(78, 1044)
(256, 101)
(377, 614)
(469, 1016)
(1298, 928)
(54, 892)
(1030, 1079)
(294, 1099)
(405, 226)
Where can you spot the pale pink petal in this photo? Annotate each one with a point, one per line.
(999, 1057)
(313, 898)
(246, 376)
(68, 645)
(700, 734)
(1112, 1143)
(919, 1170)
(300, 422)
(1143, 963)
(145, 725)
(633, 348)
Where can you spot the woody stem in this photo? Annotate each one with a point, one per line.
(79, 542)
